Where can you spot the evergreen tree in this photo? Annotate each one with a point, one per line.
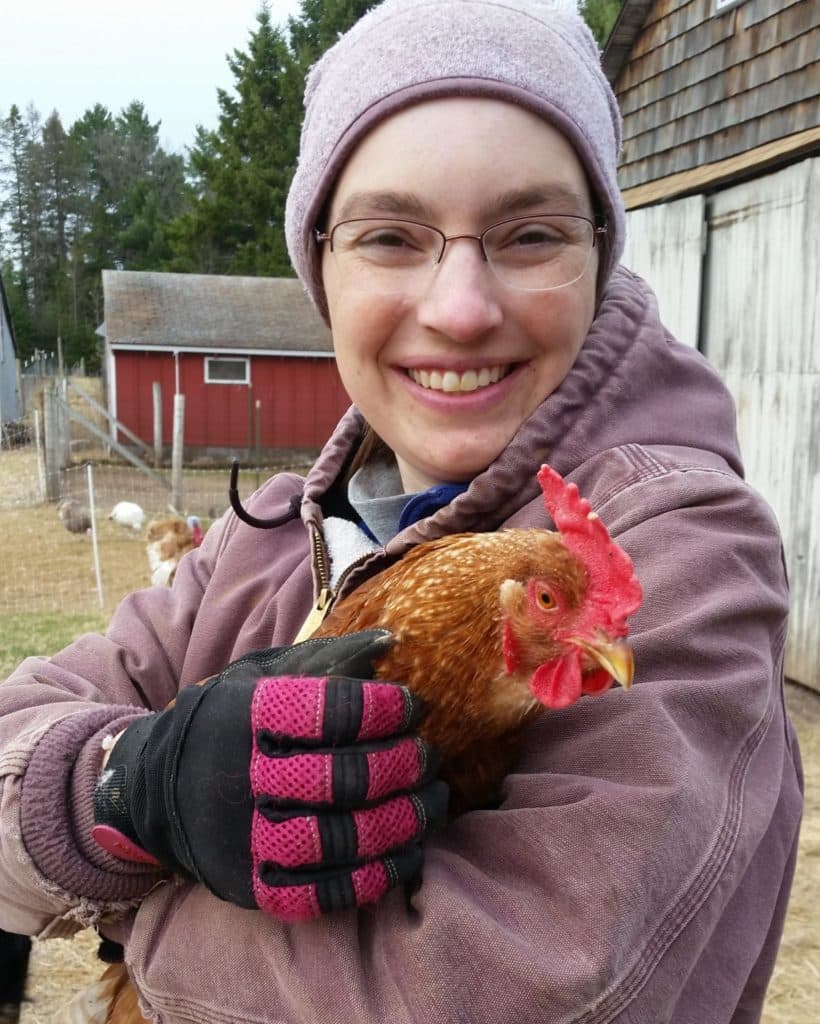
(30, 230)
(99, 196)
(242, 170)
(601, 16)
(15, 141)
(319, 25)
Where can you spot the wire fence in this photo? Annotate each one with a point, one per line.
(54, 564)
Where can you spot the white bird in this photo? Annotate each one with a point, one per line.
(128, 513)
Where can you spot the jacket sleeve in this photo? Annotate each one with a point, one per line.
(56, 712)
(635, 870)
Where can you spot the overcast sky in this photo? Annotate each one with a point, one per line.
(169, 54)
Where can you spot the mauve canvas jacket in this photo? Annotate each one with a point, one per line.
(639, 866)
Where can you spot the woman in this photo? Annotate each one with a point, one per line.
(455, 215)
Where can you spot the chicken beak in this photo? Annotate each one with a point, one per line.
(614, 656)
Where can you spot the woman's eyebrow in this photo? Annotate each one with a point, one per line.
(549, 198)
(361, 204)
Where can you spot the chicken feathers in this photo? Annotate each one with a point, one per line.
(491, 628)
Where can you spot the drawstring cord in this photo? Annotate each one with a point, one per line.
(246, 517)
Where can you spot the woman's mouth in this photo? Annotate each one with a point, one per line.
(452, 380)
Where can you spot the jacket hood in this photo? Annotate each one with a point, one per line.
(632, 384)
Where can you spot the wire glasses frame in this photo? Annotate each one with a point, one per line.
(540, 252)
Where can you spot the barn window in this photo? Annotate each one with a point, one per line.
(220, 370)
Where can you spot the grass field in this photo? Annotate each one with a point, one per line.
(39, 554)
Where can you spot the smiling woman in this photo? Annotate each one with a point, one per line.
(455, 216)
(462, 318)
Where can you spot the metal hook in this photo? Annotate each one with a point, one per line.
(242, 513)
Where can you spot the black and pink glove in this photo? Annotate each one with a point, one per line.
(290, 782)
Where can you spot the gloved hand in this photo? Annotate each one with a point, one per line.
(287, 782)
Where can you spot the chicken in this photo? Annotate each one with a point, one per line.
(128, 513)
(167, 541)
(493, 627)
(74, 516)
(111, 1000)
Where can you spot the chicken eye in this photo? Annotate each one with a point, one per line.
(546, 602)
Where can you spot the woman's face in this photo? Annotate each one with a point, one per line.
(460, 165)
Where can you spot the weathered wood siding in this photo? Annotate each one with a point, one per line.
(762, 332)
(665, 244)
(701, 86)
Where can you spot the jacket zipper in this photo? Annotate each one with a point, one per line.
(324, 601)
(327, 595)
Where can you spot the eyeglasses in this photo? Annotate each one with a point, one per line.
(536, 253)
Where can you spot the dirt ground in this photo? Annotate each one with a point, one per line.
(62, 966)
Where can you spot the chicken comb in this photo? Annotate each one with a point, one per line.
(614, 589)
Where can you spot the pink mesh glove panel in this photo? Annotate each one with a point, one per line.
(292, 792)
(357, 820)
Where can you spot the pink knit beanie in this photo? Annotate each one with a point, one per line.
(536, 53)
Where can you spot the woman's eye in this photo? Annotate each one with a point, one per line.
(535, 236)
(387, 239)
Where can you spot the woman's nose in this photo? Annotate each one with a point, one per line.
(461, 300)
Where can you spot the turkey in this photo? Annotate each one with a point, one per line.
(74, 516)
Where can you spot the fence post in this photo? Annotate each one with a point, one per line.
(157, 392)
(94, 546)
(65, 425)
(257, 438)
(177, 446)
(38, 444)
(52, 443)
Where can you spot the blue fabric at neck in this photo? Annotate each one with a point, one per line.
(425, 503)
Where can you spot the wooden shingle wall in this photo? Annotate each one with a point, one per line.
(701, 86)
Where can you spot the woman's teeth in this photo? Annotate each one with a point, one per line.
(449, 380)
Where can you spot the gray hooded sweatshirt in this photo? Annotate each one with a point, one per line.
(638, 867)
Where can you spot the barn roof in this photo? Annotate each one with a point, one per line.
(623, 35)
(198, 311)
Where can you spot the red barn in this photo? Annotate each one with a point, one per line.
(250, 354)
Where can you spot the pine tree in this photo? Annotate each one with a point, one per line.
(242, 170)
(320, 24)
(601, 16)
(30, 228)
(17, 137)
(75, 203)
